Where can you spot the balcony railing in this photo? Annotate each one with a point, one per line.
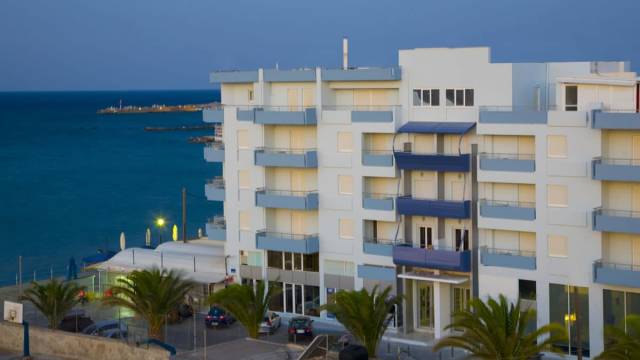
(624, 221)
(440, 257)
(214, 189)
(286, 157)
(378, 201)
(512, 115)
(214, 152)
(378, 246)
(508, 162)
(518, 259)
(377, 157)
(277, 241)
(515, 210)
(367, 113)
(217, 182)
(213, 114)
(612, 169)
(217, 228)
(287, 199)
(408, 205)
(408, 160)
(623, 119)
(616, 274)
(362, 74)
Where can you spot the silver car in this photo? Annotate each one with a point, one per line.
(270, 323)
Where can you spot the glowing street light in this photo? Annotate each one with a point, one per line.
(160, 224)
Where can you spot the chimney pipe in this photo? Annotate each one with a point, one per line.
(345, 53)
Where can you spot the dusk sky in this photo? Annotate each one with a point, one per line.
(162, 44)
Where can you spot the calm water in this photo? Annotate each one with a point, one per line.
(72, 180)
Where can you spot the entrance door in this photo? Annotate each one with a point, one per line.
(460, 298)
(425, 236)
(425, 305)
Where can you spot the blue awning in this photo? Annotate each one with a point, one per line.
(436, 127)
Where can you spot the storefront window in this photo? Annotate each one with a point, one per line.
(311, 300)
(618, 305)
(277, 303)
(569, 306)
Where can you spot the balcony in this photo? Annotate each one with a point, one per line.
(373, 272)
(214, 152)
(285, 115)
(514, 259)
(214, 189)
(513, 210)
(511, 115)
(622, 221)
(298, 158)
(217, 229)
(300, 243)
(615, 169)
(408, 205)
(230, 77)
(441, 258)
(213, 115)
(616, 274)
(508, 162)
(375, 201)
(432, 162)
(616, 119)
(362, 74)
(377, 246)
(283, 199)
(377, 158)
(295, 75)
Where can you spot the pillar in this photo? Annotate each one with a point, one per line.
(441, 308)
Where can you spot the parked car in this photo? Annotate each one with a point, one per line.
(75, 321)
(116, 334)
(217, 317)
(102, 327)
(300, 326)
(270, 323)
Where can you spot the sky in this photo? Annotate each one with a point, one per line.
(171, 44)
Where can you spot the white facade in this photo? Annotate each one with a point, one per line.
(492, 188)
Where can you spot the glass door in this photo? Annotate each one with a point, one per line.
(425, 305)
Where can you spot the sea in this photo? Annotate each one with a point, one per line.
(71, 181)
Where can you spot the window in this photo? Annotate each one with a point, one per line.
(617, 305)
(346, 228)
(460, 97)
(245, 220)
(244, 180)
(462, 239)
(311, 262)
(426, 238)
(558, 246)
(250, 95)
(557, 196)
(345, 184)
(345, 142)
(251, 258)
(569, 305)
(426, 97)
(243, 139)
(274, 259)
(557, 146)
(571, 98)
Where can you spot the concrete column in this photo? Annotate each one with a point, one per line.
(441, 308)
(542, 303)
(261, 95)
(319, 100)
(596, 320)
(407, 306)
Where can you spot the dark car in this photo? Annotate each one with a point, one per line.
(75, 321)
(217, 317)
(300, 326)
(102, 327)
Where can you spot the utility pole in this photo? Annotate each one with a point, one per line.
(184, 215)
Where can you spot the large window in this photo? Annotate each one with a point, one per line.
(571, 98)
(569, 307)
(460, 97)
(617, 305)
(311, 300)
(426, 97)
(292, 261)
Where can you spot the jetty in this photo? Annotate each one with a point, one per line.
(180, 128)
(156, 108)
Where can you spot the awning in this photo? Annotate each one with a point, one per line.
(449, 279)
(436, 127)
(613, 81)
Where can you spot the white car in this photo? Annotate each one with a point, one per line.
(270, 323)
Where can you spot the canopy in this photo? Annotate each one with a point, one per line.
(436, 127)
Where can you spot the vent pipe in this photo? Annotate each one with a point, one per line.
(345, 53)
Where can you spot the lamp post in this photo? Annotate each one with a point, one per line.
(160, 222)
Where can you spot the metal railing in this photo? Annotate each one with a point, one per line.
(377, 152)
(501, 203)
(275, 107)
(380, 241)
(617, 161)
(507, 108)
(414, 152)
(378, 196)
(617, 266)
(217, 182)
(216, 145)
(434, 246)
(617, 213)
(361, 107)
(286, 236)
(412, 197)
(506, 156)
(214, 107)
(287, 151)
(615, 110)
(218, 221)
(298, 193)
(509, 252)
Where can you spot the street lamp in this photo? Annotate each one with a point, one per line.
(160, 224)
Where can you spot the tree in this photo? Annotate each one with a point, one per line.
(498, 330)
(364, 314)
(247, 305)
(54, 299)
(151, 295)
(621, 345)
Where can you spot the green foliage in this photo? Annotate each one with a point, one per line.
(54, 299)
(249, 306)
(365, 315)
(151, 295)
(497, 330)
(621, 345)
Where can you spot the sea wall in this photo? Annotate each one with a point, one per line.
(74, 346)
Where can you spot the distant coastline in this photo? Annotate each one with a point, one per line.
(155, 108)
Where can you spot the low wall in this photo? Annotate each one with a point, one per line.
(69, 345)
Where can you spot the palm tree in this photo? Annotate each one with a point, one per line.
(621, 345)
(151, 295)
(364, 314)
(54, 299)
(248, 305)
(498, 330)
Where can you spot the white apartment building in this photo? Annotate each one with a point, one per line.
(446, 177)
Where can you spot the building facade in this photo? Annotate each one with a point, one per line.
(446, 177)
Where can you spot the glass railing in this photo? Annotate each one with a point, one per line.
(501, 203)
(284, 150)
(505, 156)
(285, 192)
(286, 236)
(617, 266)
(511, 252)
